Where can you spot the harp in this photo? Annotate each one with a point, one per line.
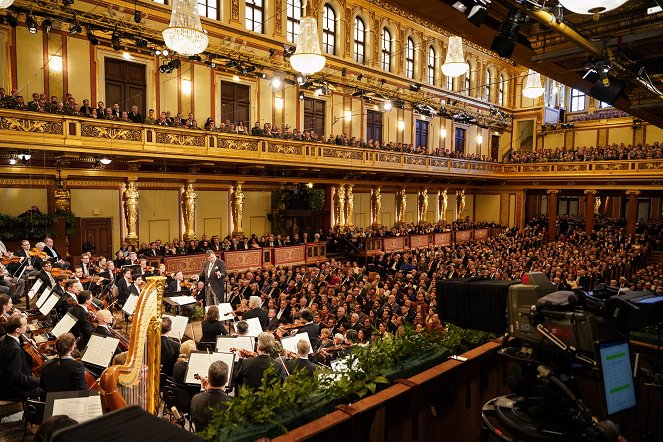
(136, 382)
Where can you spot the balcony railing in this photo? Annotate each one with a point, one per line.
(20, 131)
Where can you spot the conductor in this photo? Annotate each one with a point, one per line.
(213, 273)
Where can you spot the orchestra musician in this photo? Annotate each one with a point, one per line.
(83, 327)
(16, 379)
(86, 266)
(53, 254)
(212, 397)
(301, 362)
(252, 369)
(177, 283)
(182, 364)
(212, 274)
(31, 262)
(124, 285)
(70, 297)
(211, 326)
(170, 348)
(45, 276)
(255, 311)
(311, 328)
(63, 372)
(9, 284)
(58, 288)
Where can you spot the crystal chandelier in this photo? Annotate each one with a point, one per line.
(5, 3)
(308, 58)
(185, 34)
(590, 7)
(533, 87)
(455, 64)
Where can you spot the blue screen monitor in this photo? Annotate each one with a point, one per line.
(618, 388)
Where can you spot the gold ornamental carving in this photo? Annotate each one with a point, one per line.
(401, 205)
(62, 198)
(376, 205)
(597, 205)
(349, 205)
(442, 203)
(284, 149)
(225, 143)
(28, 125)
(422, 206)
(131, 197)
(189, 197)
(111, 133)
(344, 154)
(339, 206)
(180, 139)
(237, 207)
(460, 202)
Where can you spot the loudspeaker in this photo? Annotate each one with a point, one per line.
(503, 46)
(608, 94)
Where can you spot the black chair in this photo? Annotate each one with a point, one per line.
(33, 414)
(176, 396)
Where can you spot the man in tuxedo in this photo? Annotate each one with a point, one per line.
(273, 323)
(53, 254)
(301, 362)
(170, 348)
(213, 274)
(256, 312)
(123, 286)
(312, 329)
(45, 276)
(83, 328)
(16, 379)
(69, 298)
(252, 369)
(85, 265)
(217, 378)
(104, 323)
(134, 115)
(283, 313)
(30, 262)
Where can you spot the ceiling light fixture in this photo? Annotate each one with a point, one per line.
(591, 7)
(308, 58)
(185, 34)
(31, 24)
(533, 87)
(388, 105)
(46, 25)
(5, 3)
(455, 64)
(75, 29)
(115, 42)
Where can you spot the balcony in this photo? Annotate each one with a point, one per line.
(126, 141)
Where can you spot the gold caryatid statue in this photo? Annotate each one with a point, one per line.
(131, 211)
(237, 208)
(597, 204)
(376, 205)
(62, 198)
(442, 202)
(189, 212)
(460, 202)
(422, 206)
(349, 205)
(401, 205)
(339, 206)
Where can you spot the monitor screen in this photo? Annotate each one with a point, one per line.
(618, 386)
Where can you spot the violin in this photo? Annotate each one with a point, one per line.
(244, 352)
(58, 271)
(38, 253)
(11, 260)
(203, 381)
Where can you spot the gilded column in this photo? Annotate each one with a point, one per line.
(590, 210)
(131, 197)
(237, 207)
(422, 208)
(349, 205)
(632, 211)
(189, 211)
(401, 205)
(339, 206)
(460, 203)
(552, 214)
(442, 203)
(376, 205)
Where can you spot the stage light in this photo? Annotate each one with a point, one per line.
(126, 55)
(31, 24)
(165, 52)
(300, 96)
(75, 29)
(105, 161)
(261, 75)
(138, 16)
(46, 26)
(236, 78)
(115, 42)
(504, 43)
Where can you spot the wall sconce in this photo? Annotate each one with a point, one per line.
(186, 87)
(55, 63)
(348, 115)
(278, 103)
(479, 138)
(443, 133)
(401, 125)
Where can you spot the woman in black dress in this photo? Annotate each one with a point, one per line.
(63, 373)
(212, 327)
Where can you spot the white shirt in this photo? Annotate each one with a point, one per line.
(55, 254)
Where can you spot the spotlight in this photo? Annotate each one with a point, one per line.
(359, 77)
(156, 52)
(31, 24)
(165, 52)
(176, 63)
(46, 26)
(140, 43)
(67, 2)
(138, 16)
(276, 83)
(115, 42)
(25, 157)
(11, 20)
(91, 38)
(105, 161)
(388, 105)
(12, 161)
(261, 75)
(322, 90)
(301, 79)
(75, 29)
(505, 42)
(415, 87)
(300, 95)
(475, 10)
(344, 72)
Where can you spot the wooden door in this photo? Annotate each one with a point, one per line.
(494, 147)
(126, 84)
(99, 233)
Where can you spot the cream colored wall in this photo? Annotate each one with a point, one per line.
(202, 91)
(265, 102)
(487, 208)
(620, 135)
(168, 88)
(99, 203)
(158, 215)
(554, 140)
(362, 209)
(653, 134)
(256, 207)
(585, 138)
(5, 38)
(78, 63)
(411, 208)
(15, 200)
(451, 207)
(388, 209)
(469, 206)
(212, 213)
(29, 61)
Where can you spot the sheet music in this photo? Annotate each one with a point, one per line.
(225, 311)
(35, 288)
(290, 342)
(80, 409)
(224, 343)
(255, 328)
(47, 301)
(100, 350)
(179, 326)
(64, 325)
(183, 300)
(199, 363)
(130, 306)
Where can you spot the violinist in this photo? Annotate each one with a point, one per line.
(58, 288)
(252, 369)
(211, 326)
(177, 284)
(31, 260)
(301, 362)
(145, 270)
(123, 286)
(86, 266)
(44, 275)
(53, 254)
(11, 285)
(82, 329)
(212, 397)
(170, 348)
(16, 380)
(63, 372)
(311, 328)
(69, 298)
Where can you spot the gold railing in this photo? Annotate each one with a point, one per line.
(21, 131)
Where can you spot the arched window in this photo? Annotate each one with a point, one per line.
(468, 79)
(431, 65)
(487, 85)
(329, 30)
(501, 99)
(360, 40)
(255, 11)
(386, 50)
(294, 13)
(409, 58)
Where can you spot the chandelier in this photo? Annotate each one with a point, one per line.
(185, 34)
(533, 87)
(591, 7)
(5, 3)
(308, 58)
(455, 64)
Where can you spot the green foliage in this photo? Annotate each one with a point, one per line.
(198, 314)
(69, 220)
(459, 340)
(34, 224)
(315, 198)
